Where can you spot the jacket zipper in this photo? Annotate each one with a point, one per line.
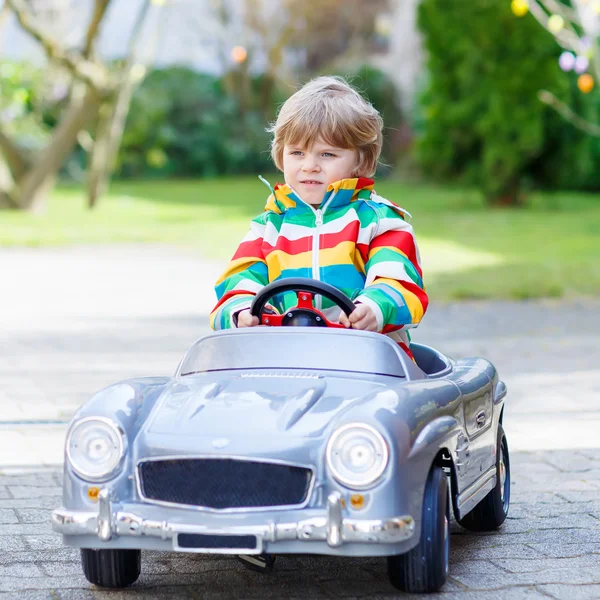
(315, 242)
(315, 245)
(315, 253)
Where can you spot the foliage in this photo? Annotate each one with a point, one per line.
(32, 100)
(29, 102)
(183, 123)
(483, 121)
(571, 156)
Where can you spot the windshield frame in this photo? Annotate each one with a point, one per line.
(297, 348)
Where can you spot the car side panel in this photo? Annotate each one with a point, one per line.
(421, 417)
(477, 449)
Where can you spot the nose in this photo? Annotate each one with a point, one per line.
(310, 164)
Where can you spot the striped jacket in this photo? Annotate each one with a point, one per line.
(356, 240)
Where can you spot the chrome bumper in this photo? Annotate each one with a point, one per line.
(333, 528)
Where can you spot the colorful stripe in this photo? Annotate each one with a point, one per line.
(366, 249)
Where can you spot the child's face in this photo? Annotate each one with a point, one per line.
(310, 170)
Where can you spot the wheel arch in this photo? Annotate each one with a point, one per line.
(444, 460)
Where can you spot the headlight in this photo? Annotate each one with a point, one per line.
(357, 455)
(95, 447)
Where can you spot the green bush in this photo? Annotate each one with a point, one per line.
(184, 123)
(481, 117)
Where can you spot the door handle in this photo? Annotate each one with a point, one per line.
(480, 419)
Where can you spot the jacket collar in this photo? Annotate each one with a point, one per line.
(339, 193)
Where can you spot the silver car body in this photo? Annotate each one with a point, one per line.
(274, 396)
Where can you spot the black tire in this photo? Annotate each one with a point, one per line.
(424, 568)
(491, 512)
(111, 568)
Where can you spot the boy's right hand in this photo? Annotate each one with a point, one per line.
(245, 319)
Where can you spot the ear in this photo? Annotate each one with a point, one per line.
(277, 155)
(358, 169)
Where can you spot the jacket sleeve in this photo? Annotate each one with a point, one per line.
(244, 276)
(394, 286)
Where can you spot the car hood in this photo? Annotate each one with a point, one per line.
(255, 405)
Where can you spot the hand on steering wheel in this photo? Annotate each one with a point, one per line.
(304, 314)
(362, 318)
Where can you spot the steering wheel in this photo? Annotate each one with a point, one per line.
(304, 314)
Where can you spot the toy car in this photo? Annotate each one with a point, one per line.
(301, 438)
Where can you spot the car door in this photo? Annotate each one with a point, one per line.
(477, 407)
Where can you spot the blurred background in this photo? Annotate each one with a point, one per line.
(143, 121)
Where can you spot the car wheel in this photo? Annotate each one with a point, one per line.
(425, 567)
(111, 568)
(490, 513)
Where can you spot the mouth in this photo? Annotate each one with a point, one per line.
(311, 182)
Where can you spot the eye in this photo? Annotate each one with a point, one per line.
(295, 152)
(328, 154)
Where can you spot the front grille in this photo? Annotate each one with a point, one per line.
(221, 483)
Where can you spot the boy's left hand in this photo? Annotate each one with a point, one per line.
(362, 317)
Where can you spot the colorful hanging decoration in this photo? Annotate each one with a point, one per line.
(566, 61)
(581, 64)
(519, 7)
(239, 54)
(585, 83)
(555, 24)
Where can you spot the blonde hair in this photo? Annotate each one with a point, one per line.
(331, 109)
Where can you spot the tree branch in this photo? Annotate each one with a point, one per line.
(81, 110)
(567, 38)
(14, 156)
(4, 11)
(568, 114)
(137, 30)
(100, 7)
(8, 197)
(91, 73)
(112, 124)
(556, 7)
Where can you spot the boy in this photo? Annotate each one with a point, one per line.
(326, 222)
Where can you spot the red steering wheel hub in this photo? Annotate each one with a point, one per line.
(304, 314)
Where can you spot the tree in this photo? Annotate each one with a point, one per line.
(310, 35)
(576, 28)
(329, 29)
(112, 117)
(482, 122)
(26, 174)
